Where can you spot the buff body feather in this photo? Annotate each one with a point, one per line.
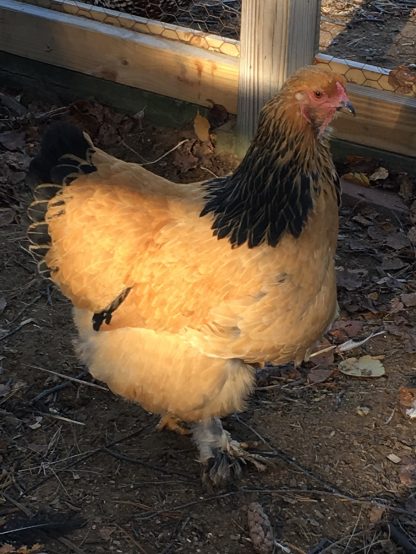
(195, 303)
(199, 311)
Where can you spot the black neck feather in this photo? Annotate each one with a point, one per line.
(274, 189)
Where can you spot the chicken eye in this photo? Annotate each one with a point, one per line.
(318, 94)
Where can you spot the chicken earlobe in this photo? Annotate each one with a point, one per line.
(222, 457)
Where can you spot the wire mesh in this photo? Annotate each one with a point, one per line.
(210, 24)
(362, 39)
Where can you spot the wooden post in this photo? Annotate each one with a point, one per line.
(277, 37)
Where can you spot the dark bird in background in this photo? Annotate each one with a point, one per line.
(178, 289)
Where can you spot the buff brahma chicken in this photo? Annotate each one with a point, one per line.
(181, 290)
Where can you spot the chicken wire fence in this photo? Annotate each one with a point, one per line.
(371, 37)
(362, 39)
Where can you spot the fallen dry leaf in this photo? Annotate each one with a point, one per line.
(409, 300)
(13, 140)
(362, 410)
(9, 549)
(7, 216)
(365, 367)
(201, 127)
(397, 241)
(406, 187)
(379, 174)
(403, 78)
(376, 513)
(411, 235)
(392, 264)
(316, 376)
(350, 279)
(357, 178)
(396, 306)
(407, 401)
(184, 159)
(4, 389)
(344, 329)
(407, 474)
(394, 458)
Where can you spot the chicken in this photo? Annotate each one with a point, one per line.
(180, 290)
(165, 10)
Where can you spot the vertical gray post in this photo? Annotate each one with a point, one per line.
(277, 37)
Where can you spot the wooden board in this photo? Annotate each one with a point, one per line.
(193, 37)
(383, 201)
(385, 120)
(143, 61)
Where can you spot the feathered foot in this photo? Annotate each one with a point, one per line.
(172, 423)
(222, 457)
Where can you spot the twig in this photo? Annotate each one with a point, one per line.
(388, 420)
(296, 548)
(89, 454)
(346, 346)
(63, 540)
(289, 460)
(401, 539)
(179, 527)
(131, 539)
(73, 379)
(189, 504)
(209, 171)
(16, 329)
(22, 311)
(166, 153)
(36, 118)
(340, 541)
(125, 458)
(353, 531)
(54, 389)
(61, 418)
(124, 143)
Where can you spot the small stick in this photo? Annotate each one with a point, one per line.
(401, 539)
(69, 544)
(74, 379)
(345, 346)
(54, 389)
(289, 460)
(128, 535)
(209, 171)
(124, 143)
(16, 329)
(341, 540)
(89, 454)
(123, 457)
(61, 418)
(166, 153)
(19, 314)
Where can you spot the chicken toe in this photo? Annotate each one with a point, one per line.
(222, 457)
(172, 423)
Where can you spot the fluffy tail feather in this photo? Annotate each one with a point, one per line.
(65, 155)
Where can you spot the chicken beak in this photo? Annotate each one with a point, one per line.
(346, 105)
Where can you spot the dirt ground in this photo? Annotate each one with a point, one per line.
(344, 473)
(378, 32)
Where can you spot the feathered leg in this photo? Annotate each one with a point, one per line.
(222, 457)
